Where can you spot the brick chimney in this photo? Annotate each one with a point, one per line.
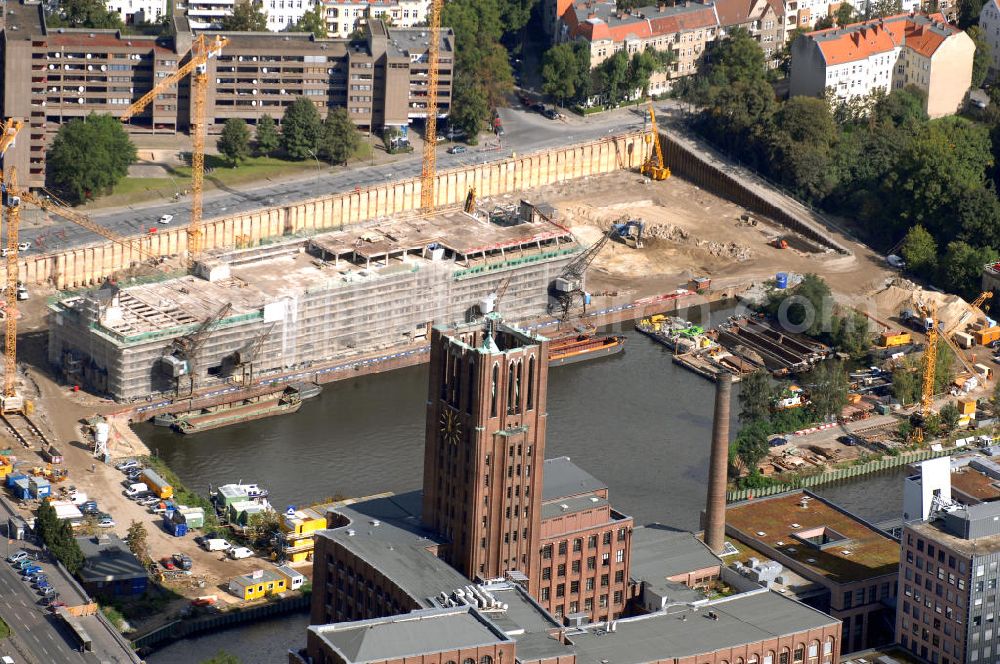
(715, 508)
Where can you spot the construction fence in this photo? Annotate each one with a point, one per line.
(885, 463)
(84, 266)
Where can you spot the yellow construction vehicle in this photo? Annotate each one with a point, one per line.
(654, 167)
(428, 169)
(201, 51)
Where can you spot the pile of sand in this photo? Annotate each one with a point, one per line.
(902, 294)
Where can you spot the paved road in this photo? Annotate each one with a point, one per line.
(38, 635)
(526, 131)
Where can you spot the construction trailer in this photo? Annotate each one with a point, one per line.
(307, 302)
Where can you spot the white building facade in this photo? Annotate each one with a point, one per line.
(989, 21)
(885, 55)
(345, 16)
(134, 12)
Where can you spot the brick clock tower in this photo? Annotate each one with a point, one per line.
(485, 446)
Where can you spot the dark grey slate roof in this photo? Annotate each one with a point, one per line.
(108, 559)
(563, 478)
(743, 619)
(409, 635)
(660, 552)
(397, 546)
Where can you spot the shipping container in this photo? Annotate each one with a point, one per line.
(157, 484)
(987, 336)
(962, 339)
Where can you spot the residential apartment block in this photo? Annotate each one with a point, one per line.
(134, 12)
(53, 76)
(345, 16)
(885, 55)
(684, 29)
(989, 21)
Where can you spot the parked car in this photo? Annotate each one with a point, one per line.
(182, 560)
(168, 563)
(165, 219)
(18, 556)
(23, 246)
(240, 552)
(456, 149)
(776, 442)
(107, 522)
(134, 490)
(148, 500)
(850, 441)
(551, 114)
(126, 465)
(24, 562)
(89, 507)
(43, 586)
(215, 544)
(895, 261)
(538, 107)
(30, 569)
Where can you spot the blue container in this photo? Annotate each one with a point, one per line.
(781, 280)
(586, 299)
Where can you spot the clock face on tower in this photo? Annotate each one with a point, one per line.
(451, 428)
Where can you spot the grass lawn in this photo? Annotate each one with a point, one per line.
(4, 629)
(218, 173)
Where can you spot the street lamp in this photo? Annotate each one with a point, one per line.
(319, 168)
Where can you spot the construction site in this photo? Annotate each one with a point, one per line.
(250, 313)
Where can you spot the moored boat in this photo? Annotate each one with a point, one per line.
(280, 402)
(568, 350)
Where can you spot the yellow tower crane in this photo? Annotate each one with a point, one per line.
(201, 51)
(11, 401)
(654, 167)
(428, 170)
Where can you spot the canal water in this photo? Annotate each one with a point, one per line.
(635, 420)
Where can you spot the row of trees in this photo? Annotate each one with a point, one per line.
(304, 135)
(567, 75)
(58, 537)
(879, 161)
(89, 156)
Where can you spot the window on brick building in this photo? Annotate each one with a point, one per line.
(576, 566)
(574, 587)
(578, 544)
(561, 590)
(546, 573)
(605, 579)
(545, 594)
(561, 570)
(607, 538)
(592, 563)
(592, 542)
(562, 548)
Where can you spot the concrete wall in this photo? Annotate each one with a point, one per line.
(85, 266)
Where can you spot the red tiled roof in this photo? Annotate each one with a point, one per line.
(923, 33)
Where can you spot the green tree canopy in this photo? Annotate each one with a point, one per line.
(751, 445)
(844, 14)
(566, 71)
(806, 307)
(312, 21)
(266, 138)
(301, 128)
(983, 58)
(962, 267)
(136, 539)
(246, 17)
(234, 143)
(756, 398)
(85, 14)
(802, 146)
(919, 250)
(737, 58)
(340, 138)
(469, 109)
(850, 334)
(479, 25)
(968, 12)
(88, 157)
(950, 415)
(828, 388)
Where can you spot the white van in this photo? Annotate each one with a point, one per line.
(135, 489)
(216, 545)
(240, 552)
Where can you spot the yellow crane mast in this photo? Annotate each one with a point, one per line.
(654, 167)
(10, 128)
(12, 204)
(930, 362)
(428, 169)
(201, 51)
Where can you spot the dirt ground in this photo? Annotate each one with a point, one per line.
(709, 239)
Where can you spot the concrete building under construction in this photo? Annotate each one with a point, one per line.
(302, 303)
